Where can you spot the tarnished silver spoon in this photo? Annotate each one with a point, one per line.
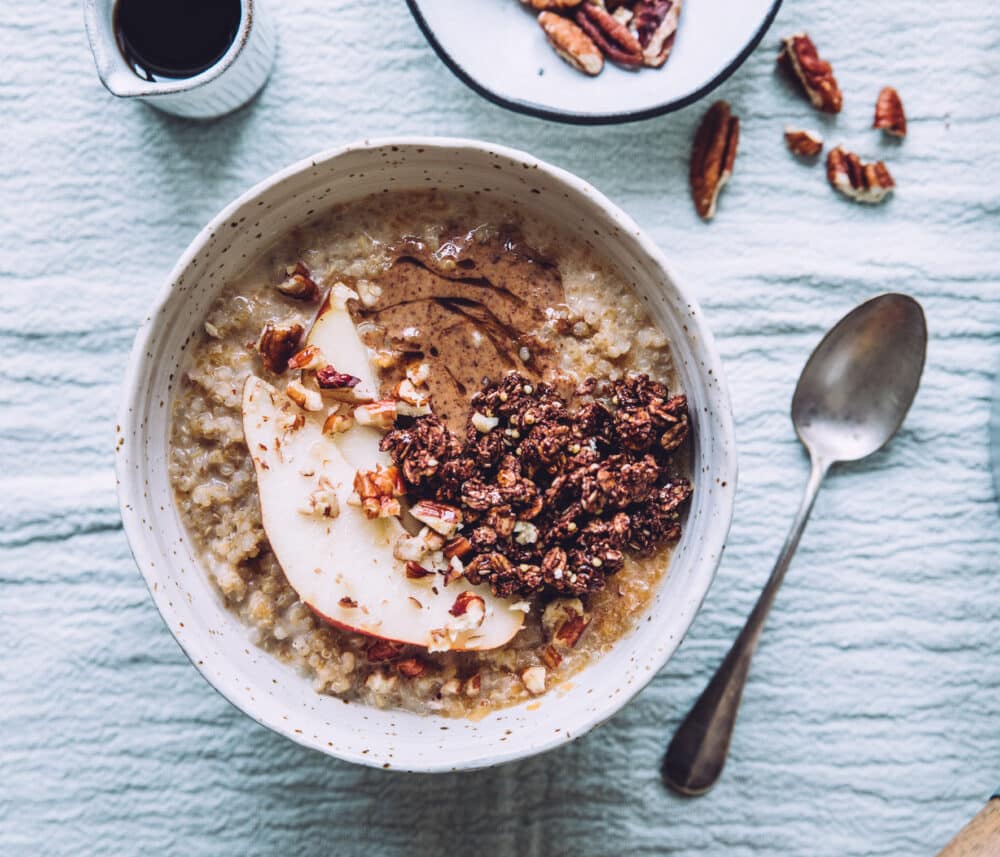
(851, 398)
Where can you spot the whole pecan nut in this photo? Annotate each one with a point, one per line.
(889, 115)
(712, 157)
(571, 43)
(814, 74)
(868, 183)
(805, 144)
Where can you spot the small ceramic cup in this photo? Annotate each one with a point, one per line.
(223, 87)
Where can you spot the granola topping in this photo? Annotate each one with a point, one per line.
(553, 500)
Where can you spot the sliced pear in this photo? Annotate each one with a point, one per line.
(339, 561)
(334, 333)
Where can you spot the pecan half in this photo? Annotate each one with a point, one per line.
(277, 344)
(868, 183)
(712, 157)
(655, 24)
(571, 43)
(614, 39)
(889, 115)
(805, 144)
(299, 283)
(799, 55)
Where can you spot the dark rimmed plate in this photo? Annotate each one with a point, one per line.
(497, 49)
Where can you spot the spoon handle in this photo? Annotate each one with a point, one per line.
(697, 753)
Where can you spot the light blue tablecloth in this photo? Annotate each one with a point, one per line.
(871, 724)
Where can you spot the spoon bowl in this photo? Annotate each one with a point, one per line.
(858, 384)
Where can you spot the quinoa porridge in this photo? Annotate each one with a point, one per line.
(527, 456)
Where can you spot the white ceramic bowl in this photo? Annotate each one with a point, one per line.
(215, 640)
(496, 48)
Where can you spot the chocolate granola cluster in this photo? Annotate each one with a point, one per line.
(551, 497)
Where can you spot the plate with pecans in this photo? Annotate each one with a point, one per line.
(593, 62)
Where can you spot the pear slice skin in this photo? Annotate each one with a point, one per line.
(334, 563)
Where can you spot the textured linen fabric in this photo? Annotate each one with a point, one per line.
(871, 724)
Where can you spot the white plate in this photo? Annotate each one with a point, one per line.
(220, 645)
(497, 48)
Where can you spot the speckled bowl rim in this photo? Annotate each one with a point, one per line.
(724, 470)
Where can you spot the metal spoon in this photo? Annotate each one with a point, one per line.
(851, 398)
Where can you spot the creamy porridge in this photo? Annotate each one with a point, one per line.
(547, 499)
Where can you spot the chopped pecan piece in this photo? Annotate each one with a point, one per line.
(337, 423)
(415, 571)
(534, 680)
(571, 43)
(469, 604)
(459, 547)
(551, 657)
(411, 667)
(299, 283)
(614, 39)
(473, 685)
(383, 650)
(712, 157)
(568, 634)
(348, 602)
(889, 115)
(803, 143)
(329, 378)
(655, 23)
(440, 517)
(308, 400)
(799, 55)
(377, 414)
(309, 357)
(378, 490)
(867, 183)
(322, 501)
(277, 344)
